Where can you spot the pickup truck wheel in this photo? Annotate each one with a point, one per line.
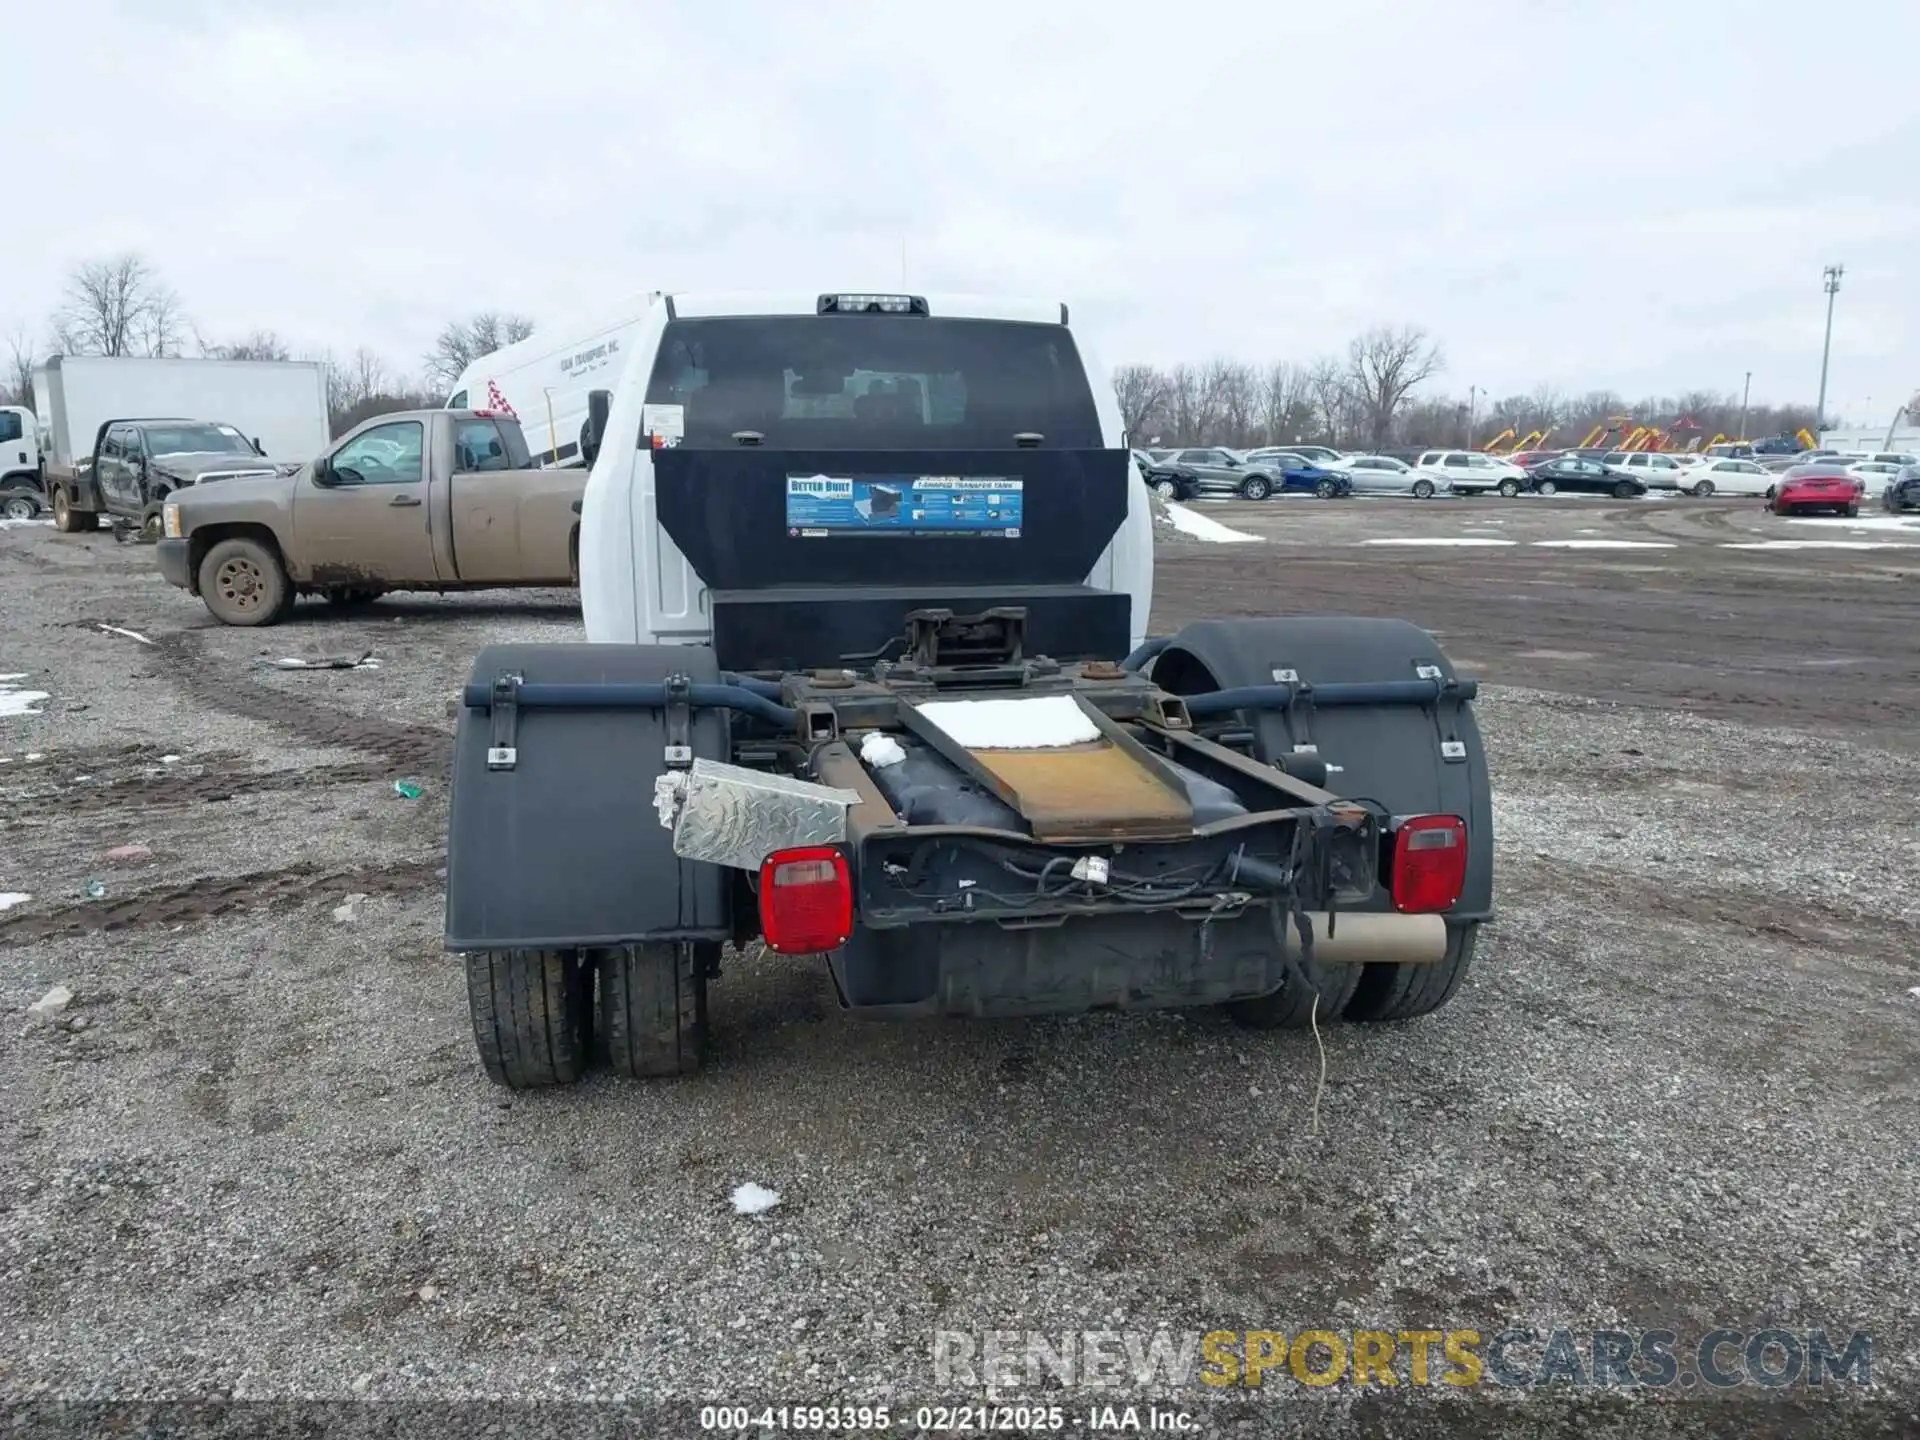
(19, 505)
(653, 1009)
(152, 522)
(1405, 992)
(69, 521)
(1291, 1007)
(532, 1014)
(244, 583)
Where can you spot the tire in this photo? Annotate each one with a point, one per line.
(1702, 489)
(1625, 490)
(244, 583)
(532, 1014)
(1510, 488)
(19, 505)
(1423, 489)
(1255, 487)
(653, 1009)
(1546, 487)
(152, 522)
(1291, 1007)
(1770, 493)
(1166, 489)
(69, 521)
(1853, 512)
(1406, 992)
(1326, 490)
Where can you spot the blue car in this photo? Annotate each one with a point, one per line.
(1300, 474)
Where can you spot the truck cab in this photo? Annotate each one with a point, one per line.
(21, 494)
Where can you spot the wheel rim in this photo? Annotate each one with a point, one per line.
(1547, 487)
(60, 510)
(151, 526)
(1256, 490)
(21, 509)
(1703, 489)
(1325, 488)
(241, 584)
(1509, 489)
(1422, 491)
(1164, 489)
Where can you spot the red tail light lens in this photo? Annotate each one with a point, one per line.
(1429, 863)
(806, 900)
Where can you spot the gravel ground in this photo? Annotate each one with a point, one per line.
(1679, 1091)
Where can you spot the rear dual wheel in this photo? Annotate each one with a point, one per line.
(533, 1012)
(1316, 994)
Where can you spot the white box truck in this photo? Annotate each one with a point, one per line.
(20, 492)
(544, 380)
(118, 433)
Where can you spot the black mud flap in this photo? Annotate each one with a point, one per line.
(553, 839)
(1411, 758)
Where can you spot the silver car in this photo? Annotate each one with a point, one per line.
(1384, 475)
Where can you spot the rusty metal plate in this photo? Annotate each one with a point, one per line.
(1091, 791)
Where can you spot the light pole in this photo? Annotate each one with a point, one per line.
(1472, 392)
(1831, 278)
(1745, 391)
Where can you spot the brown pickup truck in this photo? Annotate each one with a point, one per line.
(420, 500)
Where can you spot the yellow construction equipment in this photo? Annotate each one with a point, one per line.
(1807, 440)
(1492, 447)
(1537, 440)
(1615, 425)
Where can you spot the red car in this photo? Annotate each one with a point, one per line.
(1808, 489)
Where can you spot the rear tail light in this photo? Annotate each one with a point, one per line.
(806, 900)
(1429, 863)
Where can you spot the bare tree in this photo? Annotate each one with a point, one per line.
(260, 345)
(1186, 405)
(1286, 406)
(1383, 367)
(1141, 392)
(16, 383)
(464, 341)
(1237, 393)
(117, 307)
(1327, 384)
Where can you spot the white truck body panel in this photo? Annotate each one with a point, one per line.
(281, 403)
(545, 378)
(636, 587)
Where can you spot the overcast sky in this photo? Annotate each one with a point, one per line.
(1636, 196)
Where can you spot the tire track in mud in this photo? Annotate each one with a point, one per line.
(216, 897)
(406, 747)
(211, 788)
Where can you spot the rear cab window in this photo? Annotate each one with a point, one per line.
(873, 382)
(479, 445)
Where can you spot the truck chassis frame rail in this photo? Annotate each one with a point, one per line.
(1289, 817)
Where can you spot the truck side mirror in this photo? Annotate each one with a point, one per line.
(599, 407)
(323, 472)
(258, 449)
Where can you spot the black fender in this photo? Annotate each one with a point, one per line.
(565, 849)
(1387, 753)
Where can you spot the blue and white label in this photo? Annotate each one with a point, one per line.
(972, 505)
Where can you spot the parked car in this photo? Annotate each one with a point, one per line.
(1903, 492)
(1319, 454)
(1896, 457)
(1579, 474)
(1809, 488)
(1875, 475)
(1524, 458)
(1384, 475)
(1468, 472)
(1657, 471)
(1727, 477)
(1167, 480)
(1300, 474)
(1777, 445)
(1211, 470)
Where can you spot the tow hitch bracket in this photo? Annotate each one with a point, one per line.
(503, 752)
(678, 752)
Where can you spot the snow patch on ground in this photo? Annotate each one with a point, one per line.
(1608, 544)
(1444, 540)
(11, 898)
(16, 524)
(1189, 522)
(14, 700)
(754, 1199)
(1042, 723)
(1902, 524)
(1816, 545)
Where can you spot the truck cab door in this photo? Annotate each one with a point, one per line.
(511, 524)
(110, 469)
(368, 520)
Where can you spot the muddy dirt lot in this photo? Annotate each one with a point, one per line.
(256, 1158)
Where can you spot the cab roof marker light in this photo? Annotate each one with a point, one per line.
(856, 304)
